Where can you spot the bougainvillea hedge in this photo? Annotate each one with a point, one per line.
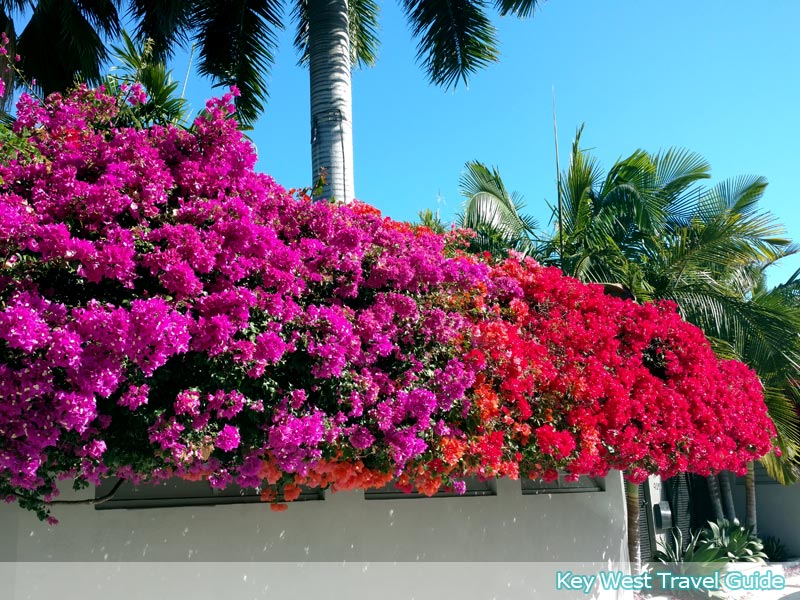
(167, 311)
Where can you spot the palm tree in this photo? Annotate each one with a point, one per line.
(431, 220)
(649, 229)
(237, 39)
(778, 372)
(651, 226)
(494, 214)
(607, 217)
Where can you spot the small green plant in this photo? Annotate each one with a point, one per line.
(696, 550)
(736, 541)
(696, 558)
(774, 549)
(15, 147)
(139, 72)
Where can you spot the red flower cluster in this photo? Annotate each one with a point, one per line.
(581, 381)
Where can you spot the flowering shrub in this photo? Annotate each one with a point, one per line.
(167, 311)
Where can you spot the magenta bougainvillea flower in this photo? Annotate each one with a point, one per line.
(166, 311)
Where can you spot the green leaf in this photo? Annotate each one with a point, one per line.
(494, 213)
(237, 42)
(166, 22)
(77, 29)
(519, 8)
(455, 38)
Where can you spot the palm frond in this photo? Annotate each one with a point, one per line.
(578, 186)
(10, 6)
(790, 289)
(678, 171)
(724, 239)
(739, 195)
(493, 212)
(166, 22)
(455, 38)
(364, 41)
(730, 210)
(779, 468)
(101, 14)
(164, 105)
(431, 220)
(783, 412)
(77, 30)
(485, 210)
(477, 178)
(745, 281)
(626, 195)
(518, 8)
(782, 405)
(678, 175)
(300, 18)
(763, 336)
(237, 42)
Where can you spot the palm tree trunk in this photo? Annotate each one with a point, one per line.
(331, 98)
(715, 496)
(727, 495)
(750, 497)
(634, 547)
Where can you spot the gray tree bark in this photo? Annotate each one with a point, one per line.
(726, 492)
(715, 497)
(750, 497)
(331, 99)
(634, 543)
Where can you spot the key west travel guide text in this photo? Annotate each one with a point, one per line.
(668, 580)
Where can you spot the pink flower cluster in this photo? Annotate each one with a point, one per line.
(166, 310)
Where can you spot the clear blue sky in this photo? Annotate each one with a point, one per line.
(719, 77)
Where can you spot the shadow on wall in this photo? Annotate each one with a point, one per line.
(506, 527)
(776, 504)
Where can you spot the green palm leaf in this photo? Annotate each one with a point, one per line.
(783, 411)
(77, 29)
(494, 213)
(166, 22)
(163, 105)
(677, 175)
(237, 42)
(364, 32)
(519, 8)
(455, 37)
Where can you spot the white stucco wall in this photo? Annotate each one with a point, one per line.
(504, 546)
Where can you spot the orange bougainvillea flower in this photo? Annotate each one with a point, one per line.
(452, 449)
(291, 492)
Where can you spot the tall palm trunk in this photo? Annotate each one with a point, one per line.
(715, 496)
(634, 543)
(750, 497)
(331, 98)
(726, 492)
